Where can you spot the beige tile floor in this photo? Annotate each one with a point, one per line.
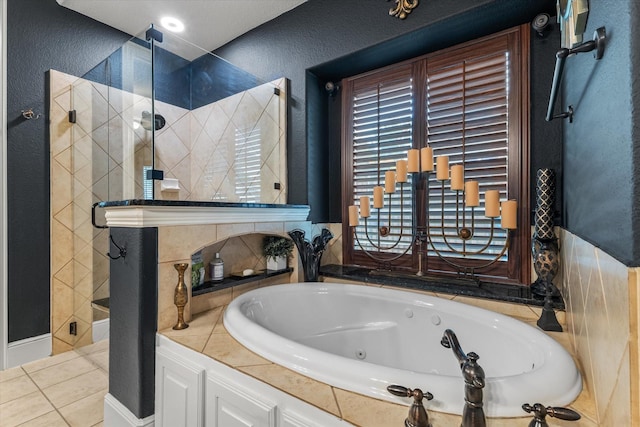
(60, 391)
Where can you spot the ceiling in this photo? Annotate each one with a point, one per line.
(209, 24)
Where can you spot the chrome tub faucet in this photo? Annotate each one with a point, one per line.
(474, 380)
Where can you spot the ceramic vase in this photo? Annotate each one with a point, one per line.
(544, 246)
(277, 263)
(311, 252)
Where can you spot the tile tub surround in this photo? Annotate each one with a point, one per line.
(208, 336)
(177, 244)
(603, 316)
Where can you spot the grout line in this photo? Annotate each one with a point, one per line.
(53, 364)
(4, 383)
(41, 390)
(55, 408)
(44, 415)
(335, 398)
(73, 375)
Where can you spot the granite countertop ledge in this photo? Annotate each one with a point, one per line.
(207, 335)
(157, 213)
(195, 203)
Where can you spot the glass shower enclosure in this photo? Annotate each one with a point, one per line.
(162, 119)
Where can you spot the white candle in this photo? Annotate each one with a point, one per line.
(378, 199)
(365, 207)
(442, 168)
(509, 214)
(457, 177)
(353, 216)
(389, 182)
(492, 203)
(401, 171)
(413, 161)
(426, 159)
(471, 193)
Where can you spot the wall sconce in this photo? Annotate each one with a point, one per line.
(403, 8)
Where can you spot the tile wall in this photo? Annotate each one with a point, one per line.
(240, 246)
(602, 311)
(79, 266)
(176, 244)
(233, 150)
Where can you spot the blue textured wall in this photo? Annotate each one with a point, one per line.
(40, 36)
(601, 154)
(324, 40)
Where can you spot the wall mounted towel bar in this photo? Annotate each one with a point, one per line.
(596, 44)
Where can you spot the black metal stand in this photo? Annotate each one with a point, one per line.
(548, 320)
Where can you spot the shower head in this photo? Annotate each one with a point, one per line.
(158, 121)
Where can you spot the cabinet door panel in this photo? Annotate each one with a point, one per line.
(228, 405)
(289, 419)
(179, 392)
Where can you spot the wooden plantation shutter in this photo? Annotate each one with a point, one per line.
(469, 102)
(381, 133)
(467, 119)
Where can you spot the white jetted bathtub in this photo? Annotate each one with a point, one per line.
(364, 338)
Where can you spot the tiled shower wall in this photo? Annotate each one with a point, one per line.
(79, 266)
(233, 150)
(205, 149)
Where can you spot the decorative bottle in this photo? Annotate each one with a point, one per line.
(217, 268)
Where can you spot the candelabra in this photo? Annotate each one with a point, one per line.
(420, 164)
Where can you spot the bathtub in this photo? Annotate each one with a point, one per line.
(364, 338)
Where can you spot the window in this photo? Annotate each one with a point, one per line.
(247, 164)
(468, 103)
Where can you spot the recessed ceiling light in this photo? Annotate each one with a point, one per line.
(172, 24)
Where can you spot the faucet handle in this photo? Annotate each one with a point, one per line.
(417, 414)
(401, 391)
(540, 412)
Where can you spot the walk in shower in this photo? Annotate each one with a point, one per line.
(160, 118)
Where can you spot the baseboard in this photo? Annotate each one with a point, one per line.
(28, 350)
(100, 330)
(118, 415)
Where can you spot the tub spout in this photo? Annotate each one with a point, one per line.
(450, 340)
(474, 381)
(417, 414)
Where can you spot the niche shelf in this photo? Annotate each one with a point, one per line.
(228, 282)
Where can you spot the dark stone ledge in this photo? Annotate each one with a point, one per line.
(454, 286)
